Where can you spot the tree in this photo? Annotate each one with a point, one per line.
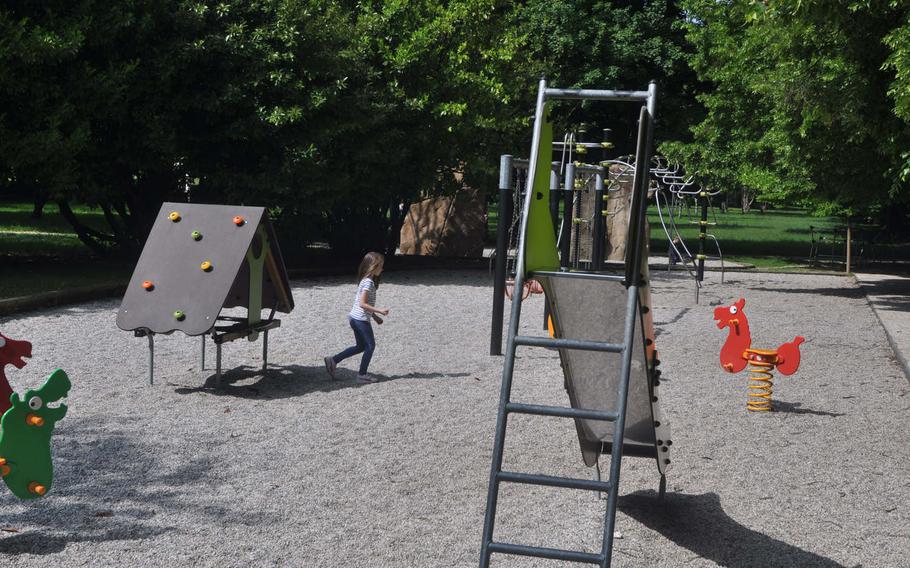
(798, 110)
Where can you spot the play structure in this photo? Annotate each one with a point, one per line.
(27, 425)
(602, 327)
(737, 352)
(673, 191)
(199, 260)
(588, 206)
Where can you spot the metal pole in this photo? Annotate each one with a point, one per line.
(508, 367)
(702, 235)
(202, 337)
(265, 350)
(849, 238)
(218, 364)
(597, 248)
(150, 335)
(640, 188)
(502, 251)
(620, 423)
(554, 216)
(565, 237)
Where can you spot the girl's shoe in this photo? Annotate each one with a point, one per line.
(330, 366)
(366, 378)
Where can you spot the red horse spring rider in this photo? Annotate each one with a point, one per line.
(737, 352)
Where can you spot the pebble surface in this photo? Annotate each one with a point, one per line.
(295, 469)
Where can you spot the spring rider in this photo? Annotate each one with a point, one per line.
(27, 425)
(737, 352)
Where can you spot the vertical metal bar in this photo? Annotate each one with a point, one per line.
(620, 424)
(265, 350)
(568, 212)
(150, 335)
(849, 251)
(702, 235)
(509, 363)
(640, 188)
(202, 365)
(218, 364)
(554, 216)
(597, 248)
(642, 162)
(502, 251)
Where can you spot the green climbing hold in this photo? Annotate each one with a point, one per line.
(179, 315)
(197, 236)
(25, 439)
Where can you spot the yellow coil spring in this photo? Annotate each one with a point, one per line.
(761, 382)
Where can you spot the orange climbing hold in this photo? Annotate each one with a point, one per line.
(174, 216)
(239, 220)
(37, 488)
(206, 266)
(4, 470)
(148, 285)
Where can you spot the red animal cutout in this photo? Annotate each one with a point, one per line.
(733, 356)
(12, 352)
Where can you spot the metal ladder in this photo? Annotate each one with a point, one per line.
(633, 281)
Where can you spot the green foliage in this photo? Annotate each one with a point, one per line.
(798, 110)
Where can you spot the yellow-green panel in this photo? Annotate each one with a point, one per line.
(541, 252)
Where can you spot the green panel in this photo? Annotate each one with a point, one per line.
(25, 440)
(541, 252)
(256, 264)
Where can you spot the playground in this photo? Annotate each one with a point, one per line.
(292, 468)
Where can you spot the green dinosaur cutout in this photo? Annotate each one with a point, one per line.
(25, 439)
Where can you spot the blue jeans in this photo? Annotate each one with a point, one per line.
(363, 334)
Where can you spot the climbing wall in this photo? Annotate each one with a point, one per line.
(195, 262)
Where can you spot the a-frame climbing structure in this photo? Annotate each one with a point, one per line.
(198, 260)
(603, 329)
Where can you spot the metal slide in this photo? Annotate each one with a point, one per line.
(594, 309)
(603, 331)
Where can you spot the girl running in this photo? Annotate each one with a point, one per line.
(361, 313)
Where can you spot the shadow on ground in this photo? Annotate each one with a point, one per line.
(797, 408)
(699, 523)
(110, 487)
(288, 381)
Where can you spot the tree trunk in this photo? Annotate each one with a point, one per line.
(91, 238)
(39, 203)
(748, 198)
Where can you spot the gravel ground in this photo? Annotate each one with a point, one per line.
(294, 469)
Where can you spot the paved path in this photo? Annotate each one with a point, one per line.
(890, 297)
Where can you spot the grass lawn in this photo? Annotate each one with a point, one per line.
(777, 239)
(43, 255)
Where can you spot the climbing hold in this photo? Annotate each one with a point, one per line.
(174, 216)
(37, 488)
(5, 470)
(197, 236)
(206, 266)
(179, 315)
(239, 220)
(148, 285)
(34, 420)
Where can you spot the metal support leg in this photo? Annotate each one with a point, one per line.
(265, 350)
(218, 364)
(202, 365)
(150, 335)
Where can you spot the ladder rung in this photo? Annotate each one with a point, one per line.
(580, 344)
(585, 275)
(552, 481)
(540, 552)
(560, 411)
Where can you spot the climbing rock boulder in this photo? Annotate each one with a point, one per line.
(445, 226)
